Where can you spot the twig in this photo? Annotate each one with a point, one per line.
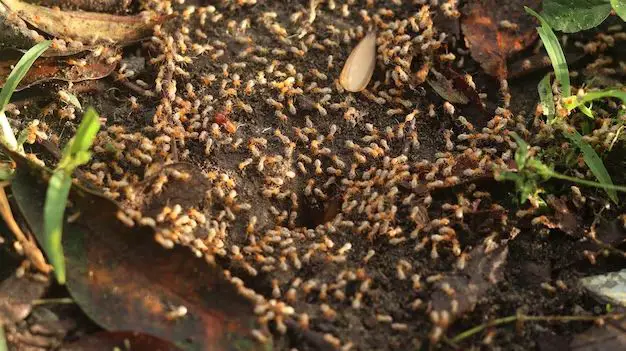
(523, 318)
(30, 247)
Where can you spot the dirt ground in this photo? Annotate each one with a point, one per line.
(370, 219)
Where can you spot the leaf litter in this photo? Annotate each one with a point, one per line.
(86, 27)
(334, 287)
(124, 280)
(120, 340)
(495, 30)
(66, 69)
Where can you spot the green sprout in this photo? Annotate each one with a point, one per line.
(75, 154)
(531, 172)
(561, 72)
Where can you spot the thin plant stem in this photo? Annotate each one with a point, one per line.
(523, 318)
(57, 301)
(588, 182)
(466, 334)
(7, 133)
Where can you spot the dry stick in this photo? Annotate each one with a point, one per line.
(523, 318)
(30, 248)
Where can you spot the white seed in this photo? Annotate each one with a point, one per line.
(359, 66)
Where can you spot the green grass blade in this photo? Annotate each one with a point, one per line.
(594, 162)
(20, 70)
(521, 154)
(555, 52)
(586, 111)
(54, 210)
(14, 78)
(546, 97)
(3, 340)
(86, 132)
(575, 101)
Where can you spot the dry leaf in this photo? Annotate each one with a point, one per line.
(85, 27)
(119, 340)
(610, 337)
(496, 30)
(483, 270)
(444, 87)
(17, 295)
(108, 6)
(65, 69)
(123, 280)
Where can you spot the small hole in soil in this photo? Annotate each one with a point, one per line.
(315, 212)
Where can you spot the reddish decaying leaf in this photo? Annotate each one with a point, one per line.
(495, 30)
(54, 68)
(124, 280)
(107, 341)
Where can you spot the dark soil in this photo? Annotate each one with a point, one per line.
(541, 265)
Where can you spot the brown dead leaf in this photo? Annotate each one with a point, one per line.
(444, 87)
(85, 27)
(124, 280)
(108, 6)
(564, 219)
(490, 39)
(17, 295)
(107, 341)
(483, 270)
(67, 69)
(610, 337)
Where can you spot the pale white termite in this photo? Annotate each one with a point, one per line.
(359, 67)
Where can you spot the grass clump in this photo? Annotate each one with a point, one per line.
(75, 154)
(530, 170)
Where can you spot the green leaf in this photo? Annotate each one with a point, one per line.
(555, 52)
(594, 162)
(546, 97)
(575, 101)
(54, 211)
(572, 16)
(586, 111)
(620, 8)
(521, 155)
(86, 133)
